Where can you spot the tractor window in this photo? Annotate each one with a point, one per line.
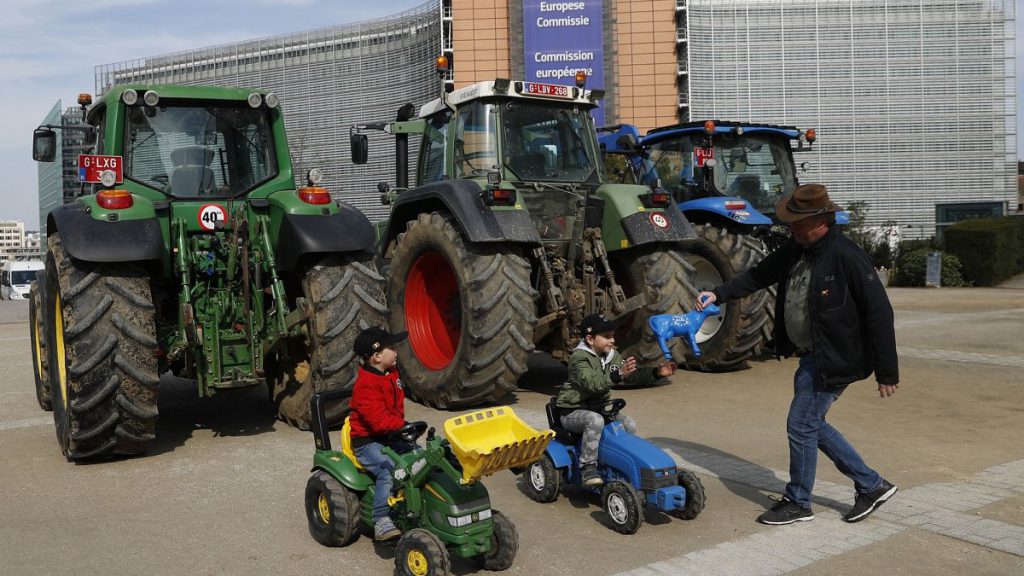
(432, 151)
(546, 142)
(476, 140)
(193, 151)
(754, 167)
(672, 162)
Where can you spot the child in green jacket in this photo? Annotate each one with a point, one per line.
(594, 369)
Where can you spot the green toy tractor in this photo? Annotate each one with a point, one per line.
(511, 236)
(190, 249)
(438, 502)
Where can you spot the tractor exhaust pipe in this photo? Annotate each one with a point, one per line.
(402, 148)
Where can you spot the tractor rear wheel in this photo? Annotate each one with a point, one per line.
(741, 330)
(36, 330)
(344, 295)
(469, 309)
(663, 274)
(101, 341)
(332, 510)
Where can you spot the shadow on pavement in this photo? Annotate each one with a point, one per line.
(742, 477)
(242, 412)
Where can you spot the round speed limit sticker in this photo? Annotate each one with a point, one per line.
(659, 220)
(210, 215)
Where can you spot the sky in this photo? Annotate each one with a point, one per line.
(49, 48)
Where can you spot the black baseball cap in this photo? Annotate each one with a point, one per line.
(596, 324)
(374, 339)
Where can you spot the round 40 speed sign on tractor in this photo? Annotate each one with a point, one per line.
(210, 214)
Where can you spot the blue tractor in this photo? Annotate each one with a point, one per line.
(726, 177)
(636, 473)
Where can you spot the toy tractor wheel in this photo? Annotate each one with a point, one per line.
(695, 498)
(39, 352)
(344, 295)
(470, 311)
(744, 326)
(420, 553)
(101, 341)
(504, 545)
(663, 274)
(541, 480)
(332, 511)
(624, 506)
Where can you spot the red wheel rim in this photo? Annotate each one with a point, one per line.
(433, 310)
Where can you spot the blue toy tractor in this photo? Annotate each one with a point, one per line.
(636, 473)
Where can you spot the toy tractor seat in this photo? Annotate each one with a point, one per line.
(555, 423)
(493, 439)
(346, 444)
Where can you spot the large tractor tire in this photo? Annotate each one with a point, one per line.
(101, 341)
(740, 332)
(344, 295)
(37, 329)
(662, 273)
(470, 311)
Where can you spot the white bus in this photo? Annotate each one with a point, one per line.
(16, 278)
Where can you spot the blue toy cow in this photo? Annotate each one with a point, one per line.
(666, 326)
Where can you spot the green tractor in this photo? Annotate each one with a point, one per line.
(191, 250)
(511, 235)
(437, 500)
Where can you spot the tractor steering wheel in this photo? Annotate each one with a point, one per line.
(409, 432)
(612, 408)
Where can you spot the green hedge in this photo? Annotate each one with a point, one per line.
(991, 249)
(913, 262)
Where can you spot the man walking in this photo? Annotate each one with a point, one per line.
(833, 313)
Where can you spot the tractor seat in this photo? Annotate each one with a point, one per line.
(555, 423)
(346, 444)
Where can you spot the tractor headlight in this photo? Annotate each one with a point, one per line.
(460, 521)
(271, 100)
(129, 97)
(255, 100)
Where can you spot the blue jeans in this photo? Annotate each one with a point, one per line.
(381, 466)
(808, 432)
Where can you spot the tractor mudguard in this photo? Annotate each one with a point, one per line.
(559, 454)
(91, 240)
(748, 216)
(641, 228)
(338, 465)
(346, 231)
(461, 198)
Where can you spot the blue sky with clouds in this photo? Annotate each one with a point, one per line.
(49, 48)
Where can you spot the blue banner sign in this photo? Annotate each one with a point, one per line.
(561, 37)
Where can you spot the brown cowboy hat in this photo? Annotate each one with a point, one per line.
(806, 201)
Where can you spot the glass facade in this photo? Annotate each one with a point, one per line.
(328, 80)
(914, 101)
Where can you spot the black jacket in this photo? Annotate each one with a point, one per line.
(851, 318)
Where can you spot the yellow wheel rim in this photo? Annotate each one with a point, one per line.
(62, 372)
(417, 563)
(39, 349)
(325, 508)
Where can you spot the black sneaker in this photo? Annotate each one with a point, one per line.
(590, 476)
(786, 511)
(867, 503)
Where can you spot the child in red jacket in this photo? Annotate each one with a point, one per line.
(377, 410)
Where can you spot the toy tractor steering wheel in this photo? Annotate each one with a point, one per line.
(408, 433)
(612, 408)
